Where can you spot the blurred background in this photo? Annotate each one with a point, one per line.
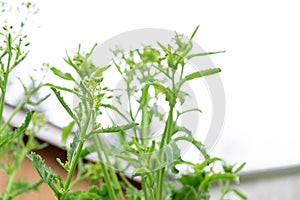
(260, 71)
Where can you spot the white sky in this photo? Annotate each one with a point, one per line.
(261, 65)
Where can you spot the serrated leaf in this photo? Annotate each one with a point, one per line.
(114, 129)
(197, 144)
(66, 132)
(48, 176)
(66, 76)
(72, 151)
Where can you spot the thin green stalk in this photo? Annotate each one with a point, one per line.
(165, 140)
(112, 173)
(78, 180)
(150, 190)
(75, 160)
(109, 184)
(17, 165)
(12, 176)
(145, 117)
(3, 92)
(145, 189)
(16, 110)
(73, 166)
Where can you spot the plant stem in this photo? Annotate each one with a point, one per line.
(165, 140)
(145, 189)
(73, 165)
(145, 117)
(3, 92)
(12, 175)
(16, 167)
(109, 184)
(112, 173)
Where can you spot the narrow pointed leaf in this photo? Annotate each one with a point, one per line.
(198, 74)
(20, 130)
(66, 132)
(66, 76)
(62, 101)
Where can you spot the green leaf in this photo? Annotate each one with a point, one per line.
(99, 71)
(141, 172)
(240, 167)
(197, 144)
(66, 76)
(194, 33)
(20, 130)
(237, 192)
(185, 193)
(170, 96)
(209, 179)
(191, 179)
(66, 132)
(48, 176)
(23, 186)
(203, 54)
(62, 101)
(114, 129)
(198, 74)
(182, 129)
(91, 194)
(71, 152)
(87, 150)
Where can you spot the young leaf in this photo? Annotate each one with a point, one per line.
(114, 129)
(194, 33)
(198, 74)
(197, 144)
(240, 168)
(209, 179)
(66, 76)
(203, 54)
(237, 192)
(23, 186)
(62, 101)
(99, 71)
(170, 96)
(185, 193)
(72, 151)
(87, 150)
(66, 132)
(182, 129)
(20, 130)
(48, 176)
